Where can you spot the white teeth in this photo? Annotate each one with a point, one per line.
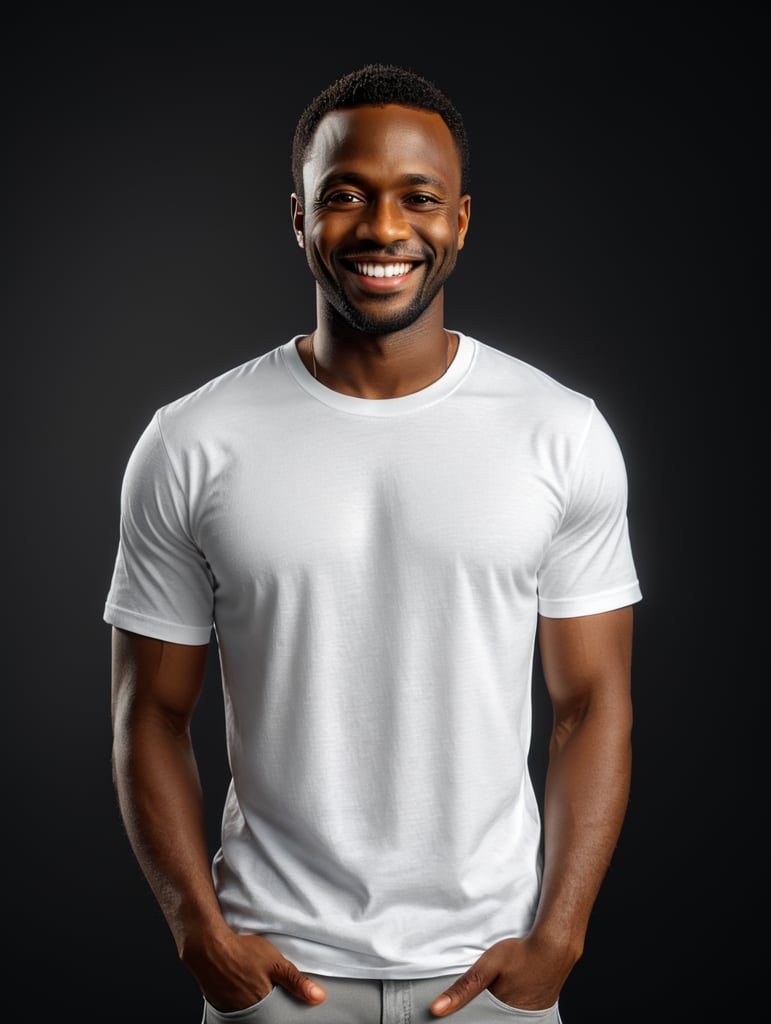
(383, 270)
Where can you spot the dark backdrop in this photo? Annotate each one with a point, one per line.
(614, 242)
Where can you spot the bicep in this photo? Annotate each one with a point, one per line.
(155, 677)
(586, 659)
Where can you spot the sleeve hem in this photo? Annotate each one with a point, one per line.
(173, 632)
(590, 604)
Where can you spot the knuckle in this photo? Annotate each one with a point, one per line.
(472, 981)
(281, 968)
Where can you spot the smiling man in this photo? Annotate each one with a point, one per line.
(379, 519)
(382, 236)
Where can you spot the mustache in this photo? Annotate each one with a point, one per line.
(388, 252)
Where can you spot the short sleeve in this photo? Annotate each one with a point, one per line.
(161, 584)
(589, 566)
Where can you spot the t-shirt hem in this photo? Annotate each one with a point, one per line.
(338, 963)
(392, 974)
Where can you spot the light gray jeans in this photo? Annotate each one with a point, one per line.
(360, 1001)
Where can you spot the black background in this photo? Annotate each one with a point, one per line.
(615, 242)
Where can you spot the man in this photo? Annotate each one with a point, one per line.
(376, 518)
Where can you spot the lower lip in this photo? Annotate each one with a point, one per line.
(382, 284)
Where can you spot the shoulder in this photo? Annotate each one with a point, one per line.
(242, 391)
(532, 394)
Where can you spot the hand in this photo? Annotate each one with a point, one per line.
(236, 971)
(519, 972)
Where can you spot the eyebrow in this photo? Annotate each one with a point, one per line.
(359, 179)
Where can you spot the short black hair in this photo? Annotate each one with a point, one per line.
(377, 85)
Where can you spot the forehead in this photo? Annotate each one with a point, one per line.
(388, 140)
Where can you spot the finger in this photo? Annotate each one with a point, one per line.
(287, 976)
(462, 991)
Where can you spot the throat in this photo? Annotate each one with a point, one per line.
(378, 371)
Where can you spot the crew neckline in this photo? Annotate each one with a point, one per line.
(440, 389)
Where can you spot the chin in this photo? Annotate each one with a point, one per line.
(367, 324)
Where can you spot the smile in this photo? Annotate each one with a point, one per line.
(383, 269)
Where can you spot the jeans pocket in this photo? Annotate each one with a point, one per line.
(212, 1016)
(548, 1016)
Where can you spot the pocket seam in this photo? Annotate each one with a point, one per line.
(532, 1014)
(240, 1014)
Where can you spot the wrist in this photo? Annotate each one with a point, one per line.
(201, 935)
(557, 944)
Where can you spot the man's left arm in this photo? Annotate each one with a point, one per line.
(587, 667)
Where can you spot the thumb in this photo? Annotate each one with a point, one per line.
(462, 991)
(306, 989)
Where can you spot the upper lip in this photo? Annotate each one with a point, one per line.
(370, 257)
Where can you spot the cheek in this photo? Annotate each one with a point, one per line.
(317, 255)
(322, 237)
(445, 234)
(445, 241)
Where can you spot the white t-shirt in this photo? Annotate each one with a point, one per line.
(374, 571)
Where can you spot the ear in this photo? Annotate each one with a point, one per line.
(464, 216)
(298, 219)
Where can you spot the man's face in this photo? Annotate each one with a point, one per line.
(383, 218)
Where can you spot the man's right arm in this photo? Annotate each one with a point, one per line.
(155, 689)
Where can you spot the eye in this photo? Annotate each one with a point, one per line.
(421, 199)
(340, 198)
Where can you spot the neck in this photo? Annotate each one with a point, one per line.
(379, 366)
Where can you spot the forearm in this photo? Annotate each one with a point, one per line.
(587, 789)
(586, 795)
(159, 795)
(160, 799)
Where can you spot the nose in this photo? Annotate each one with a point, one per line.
(384, 222)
